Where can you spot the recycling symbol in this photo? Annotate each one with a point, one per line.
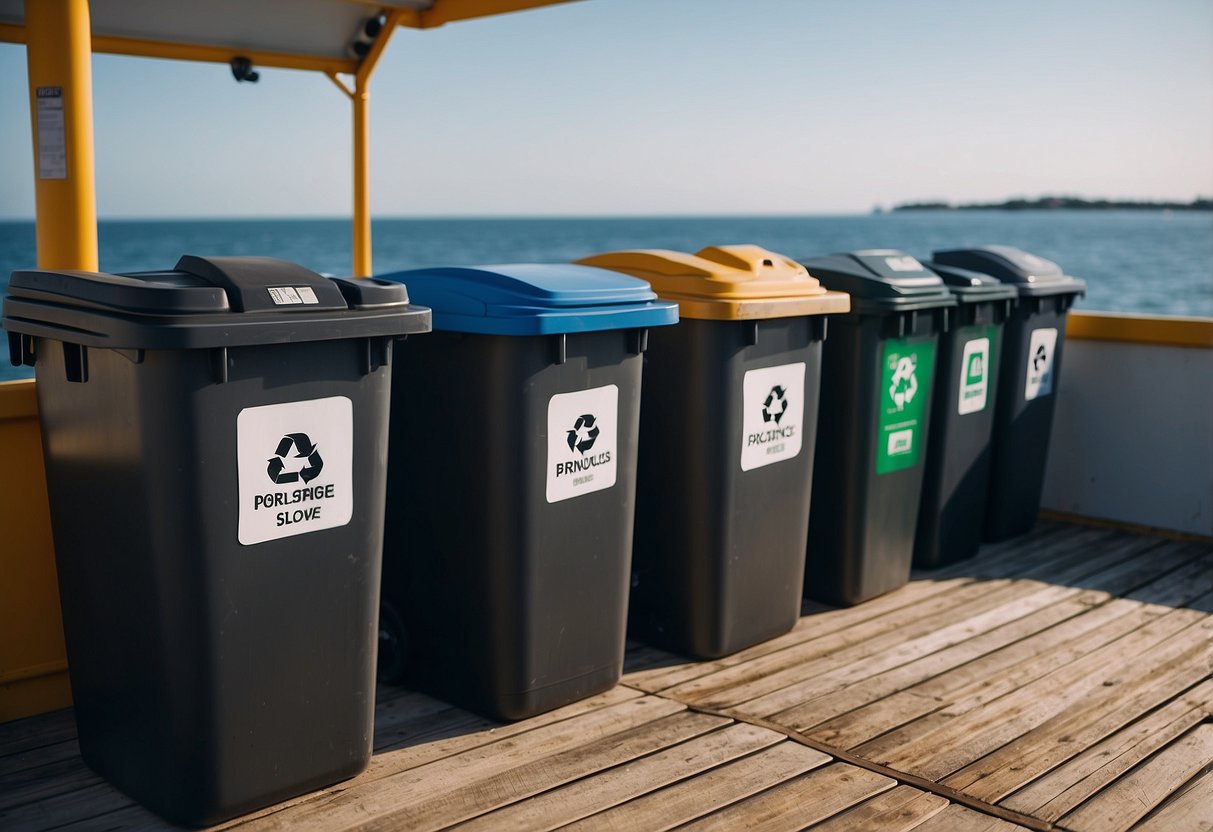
(583, 434)
(775, 405)
(306, 450)
(1041, 358)
(905, 382)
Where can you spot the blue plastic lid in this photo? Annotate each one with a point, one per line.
(534, 299)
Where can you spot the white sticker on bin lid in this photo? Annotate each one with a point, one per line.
(905, 263)
(292, 295)
(294, 464)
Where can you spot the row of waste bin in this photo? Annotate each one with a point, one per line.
(222, 482)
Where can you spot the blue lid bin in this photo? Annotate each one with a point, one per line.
(512, 485)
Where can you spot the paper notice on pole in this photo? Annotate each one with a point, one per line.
(52, 142)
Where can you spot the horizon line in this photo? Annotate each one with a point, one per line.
(523, 217)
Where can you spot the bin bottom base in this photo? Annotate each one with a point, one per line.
(510, 706)
(194, 810)
(697, 646)
(850, 599)
(941, 557)
(1006, 531)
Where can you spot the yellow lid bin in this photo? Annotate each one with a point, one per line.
(728, 425)
(725, 283)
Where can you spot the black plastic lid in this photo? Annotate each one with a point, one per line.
(1031, 275)
(207, 302)
(973, 287)
(881, 280)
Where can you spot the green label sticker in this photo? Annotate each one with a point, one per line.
(977, 364)
(905, 385)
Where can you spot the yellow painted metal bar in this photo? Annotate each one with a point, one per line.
(362, 193)
(362, 146)
(1163, 330)
(61, 114)
(341, 85)
(33, 660)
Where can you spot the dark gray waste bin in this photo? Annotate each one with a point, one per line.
(512, 485)
(957, 471)
(878, 371)
(727, 425)
(1030, 370)
(215, 442)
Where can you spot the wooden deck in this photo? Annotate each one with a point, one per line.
(1062, 680)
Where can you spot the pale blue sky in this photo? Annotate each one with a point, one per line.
(674, 107)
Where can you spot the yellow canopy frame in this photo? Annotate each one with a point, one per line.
(60, 37)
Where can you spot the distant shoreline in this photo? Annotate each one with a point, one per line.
(1061, 203)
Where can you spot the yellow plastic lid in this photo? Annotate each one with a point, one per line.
(727, 283)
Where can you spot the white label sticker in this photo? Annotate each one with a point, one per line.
(295, 464)
(772, 418)
(905, 263)
(292, 295)
(582, 442)
(900, 442)
(52, 143)
(1040, 363)
(974, 376)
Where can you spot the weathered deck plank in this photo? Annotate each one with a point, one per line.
(1189, 812)
(1065, 787)
(800, 802)
(1062, 678)
(1126, 801)
(898, 810)
(709, 792)
(590, 796)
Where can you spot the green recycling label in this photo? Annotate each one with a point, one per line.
(905, 385)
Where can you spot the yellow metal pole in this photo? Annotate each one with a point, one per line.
(58, 51)
(362, 194)
(362, 143)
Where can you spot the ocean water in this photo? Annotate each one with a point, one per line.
(1133, 261)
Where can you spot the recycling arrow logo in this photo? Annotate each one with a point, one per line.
(306, 450)
(775, 405)
(584, 433)
(1041, 357)
(905, 382)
